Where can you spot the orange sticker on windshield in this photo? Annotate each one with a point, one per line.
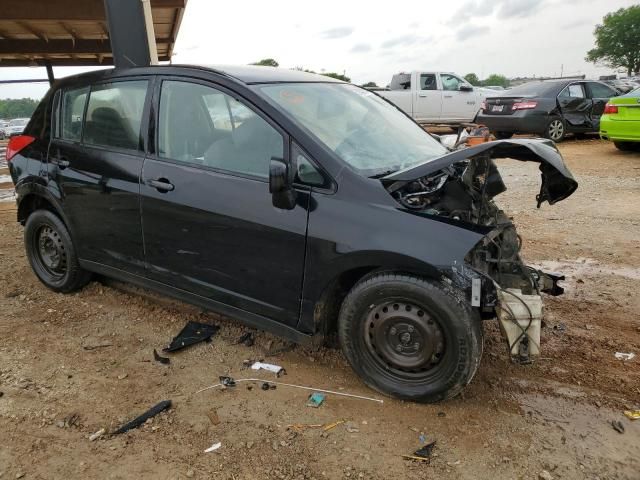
(291, 97)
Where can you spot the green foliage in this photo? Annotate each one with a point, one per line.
(17, 107)
(618, 40)
(266, 62)
(472, 78)
(337, 76)
(369, 85)
(495, 79)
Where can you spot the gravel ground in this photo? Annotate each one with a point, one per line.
(513, 422)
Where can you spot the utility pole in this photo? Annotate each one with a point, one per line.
(561, 69)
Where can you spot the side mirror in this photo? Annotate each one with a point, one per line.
(281, 184)
(465, 88)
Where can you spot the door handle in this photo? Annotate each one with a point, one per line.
(161, 184)
(422, 95)
(448, 96)
(61, 162)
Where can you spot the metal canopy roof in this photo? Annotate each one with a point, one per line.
(73, 32)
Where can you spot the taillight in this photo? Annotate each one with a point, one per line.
(16, 144)
(609, 108)
(524, 105)
(483, 105)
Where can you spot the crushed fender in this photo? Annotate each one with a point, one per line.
(136, 422)
(192, 333)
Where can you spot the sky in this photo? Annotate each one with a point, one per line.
(370, 41)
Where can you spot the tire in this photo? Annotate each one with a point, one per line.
(51, 253)
(503, 135)
(431, 362)
(627, 146)
(556, 129)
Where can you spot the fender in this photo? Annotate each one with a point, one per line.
(37, 186)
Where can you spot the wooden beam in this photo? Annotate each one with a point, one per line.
(58, 46)
(33, 31)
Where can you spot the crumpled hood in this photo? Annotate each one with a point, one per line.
(557, 181)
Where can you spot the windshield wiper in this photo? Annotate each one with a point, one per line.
(383, 173)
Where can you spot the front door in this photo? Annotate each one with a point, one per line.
(95, 160)
(209, 224)
(457, 104)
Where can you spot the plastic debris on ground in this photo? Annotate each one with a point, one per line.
(315, 399)
(270, 367)
(246, 339)
(617, 426)
(632, 414)
(94, 436)
(227, 381)
(192, 333)
(423, 454)
(625, 356)
(213, 416)
(158, 358)
(351, 427)
(152, 412)
(213, 447)
(331, 426)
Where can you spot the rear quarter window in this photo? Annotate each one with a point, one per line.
(72, 113)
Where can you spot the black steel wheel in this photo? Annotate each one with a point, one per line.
(410, 338)
(51, 252)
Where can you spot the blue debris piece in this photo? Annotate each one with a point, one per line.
(315, 399)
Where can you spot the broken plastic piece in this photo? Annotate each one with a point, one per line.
(192, 333)
(97, 435)
(333, 425)
(213, 416)
(277, 369)
(265, 386)
(246, 339)
(213, 447)
(625, 356)
(617, 426)
(425, 452)
(227, 381)
(315, 400)
(152, 412)
(158, 358)
(632, 414)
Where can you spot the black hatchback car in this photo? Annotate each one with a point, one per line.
(551, 108)
(298, 204)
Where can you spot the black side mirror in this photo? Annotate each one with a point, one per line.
(281, 184)
(465, 88)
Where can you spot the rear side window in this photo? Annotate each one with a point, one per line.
(202, 125)
(598, 90)
(575, 90)
(114, 114)
(428, 81)
(73, 102)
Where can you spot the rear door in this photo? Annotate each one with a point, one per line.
(209, 224)
(599, 95)
(576, 106)
(95, 161)
(427, 98)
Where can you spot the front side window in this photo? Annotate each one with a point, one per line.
(451, 82)
(428, 81)
(362, 129)
(72, 113)
(114, 114)
(202, 125)
(598, 90)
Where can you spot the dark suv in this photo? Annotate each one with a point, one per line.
(295, 203)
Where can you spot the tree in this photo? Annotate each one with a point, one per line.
(17, 107)
(495, 79)
(369, 85)
(618, 40)
(337, 76)
(266, 62)
(472, 78)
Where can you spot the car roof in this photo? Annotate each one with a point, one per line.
(248, 74)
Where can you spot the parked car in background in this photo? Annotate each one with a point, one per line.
(323, 210)
(551, 108)
(623, 85)
(493, 87)
(621, 121)
(3, 125)
(15, 127)
(434, 97)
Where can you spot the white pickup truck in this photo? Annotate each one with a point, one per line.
(435, 97)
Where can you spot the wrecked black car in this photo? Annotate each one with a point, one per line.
(297, 204)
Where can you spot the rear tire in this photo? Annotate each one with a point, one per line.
(51, 253)
(627, 146)
(503, 135)
(556, 129)
(410, 338)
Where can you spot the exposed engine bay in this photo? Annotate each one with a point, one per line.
(498, 281)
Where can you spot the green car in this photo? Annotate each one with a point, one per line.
(620, 122)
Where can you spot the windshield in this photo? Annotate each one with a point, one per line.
(18, 122)
(361, 128)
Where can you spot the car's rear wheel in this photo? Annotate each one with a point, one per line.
(556, 129)
(410, 338)
(627, 146)
(51, 253)
(503, 135)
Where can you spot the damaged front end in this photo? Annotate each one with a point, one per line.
(459, 188)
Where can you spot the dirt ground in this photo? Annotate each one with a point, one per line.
(512, 422)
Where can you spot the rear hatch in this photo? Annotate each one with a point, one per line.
(503, 105)
(628, 108)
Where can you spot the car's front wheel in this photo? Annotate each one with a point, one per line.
(51, 253)
(556, 130)
(409, 337)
